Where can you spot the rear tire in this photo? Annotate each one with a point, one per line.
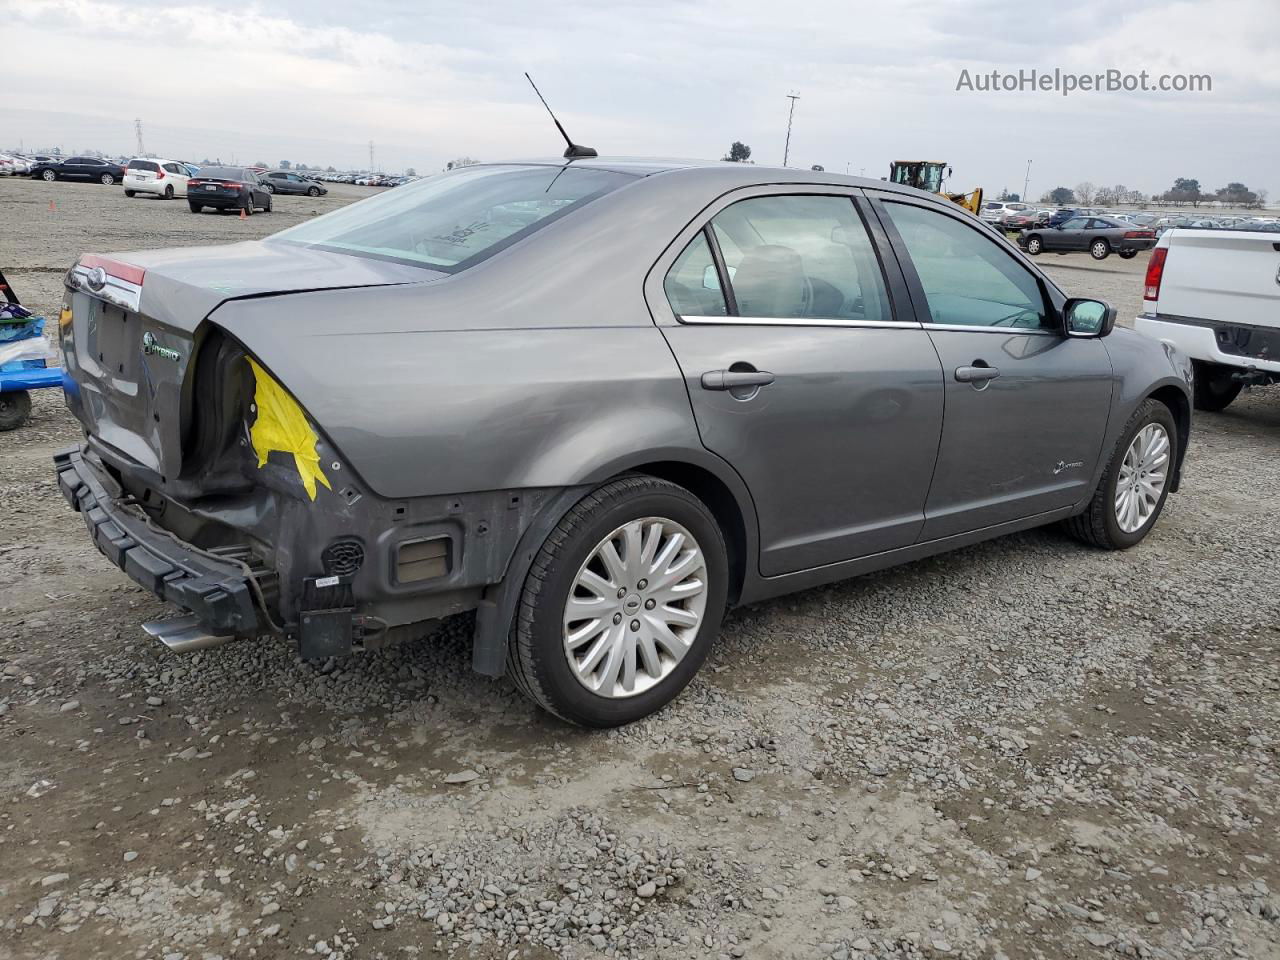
(540, 660)
(1214, 387)
(168, 192)
(247, 206)
(1099, 525)
(1099, 249)
(130, 193)
(107, 179)
(1128, 254)
(15, 408)
(194, 207)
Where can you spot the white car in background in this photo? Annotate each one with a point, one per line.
(12, 165)
(158, 177)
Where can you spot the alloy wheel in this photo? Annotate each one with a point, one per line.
(1143, 475)
(635, 607)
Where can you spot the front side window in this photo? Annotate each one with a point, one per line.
(451, 221)
(797, 257)
(1075, 223)
(968, 279)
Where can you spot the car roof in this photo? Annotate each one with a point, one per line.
(734, 174)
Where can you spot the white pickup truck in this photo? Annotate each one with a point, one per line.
(1215, 296)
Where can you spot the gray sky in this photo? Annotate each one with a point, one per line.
(316, 80)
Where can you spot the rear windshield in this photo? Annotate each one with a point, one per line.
(222, 173)
(454, 220)
(144, 165)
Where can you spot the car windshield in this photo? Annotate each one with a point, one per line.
(454, 220)
(222, 173)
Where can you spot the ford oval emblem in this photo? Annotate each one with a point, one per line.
(97, 278)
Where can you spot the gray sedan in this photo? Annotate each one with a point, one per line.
(1101, 236)
(597, 402)
(282, 181)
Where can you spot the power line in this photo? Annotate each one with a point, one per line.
(786, 151)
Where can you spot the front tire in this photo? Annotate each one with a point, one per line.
(621, 604)
(49, 176)
(313, 192)
(1099, 249)
(1034, 246)
(1215, 387)
(1131, 494)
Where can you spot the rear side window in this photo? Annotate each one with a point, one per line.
(451, 221)
(223, 173)
(797, 257)
(693, 285)
(968, 279)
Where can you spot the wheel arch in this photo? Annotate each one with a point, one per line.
(717, 497)
(707, 477)
(1179, 405)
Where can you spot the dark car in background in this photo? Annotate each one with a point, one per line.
(88, 169)
(1100, 236)
(283, 181)
(227, 188)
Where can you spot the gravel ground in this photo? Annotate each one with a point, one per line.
(1023, 749)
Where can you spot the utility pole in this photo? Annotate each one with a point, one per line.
(371, 156)
(137, 126)
(786, 151)
(1026, 182)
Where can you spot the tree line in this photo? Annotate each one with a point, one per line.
(1185, 191)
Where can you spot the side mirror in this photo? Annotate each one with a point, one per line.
(1088, 319)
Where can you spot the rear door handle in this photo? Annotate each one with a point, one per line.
(976, 374)
(733, 379)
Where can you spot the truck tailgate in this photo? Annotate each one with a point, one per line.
(1221, 275)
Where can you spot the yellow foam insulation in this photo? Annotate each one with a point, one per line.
(281, 425)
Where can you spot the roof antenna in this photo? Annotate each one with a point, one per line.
(573, 151)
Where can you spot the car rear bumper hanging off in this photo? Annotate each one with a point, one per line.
(218, 593)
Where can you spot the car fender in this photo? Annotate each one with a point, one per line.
(1144, 367)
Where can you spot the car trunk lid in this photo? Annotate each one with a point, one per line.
(129, 330)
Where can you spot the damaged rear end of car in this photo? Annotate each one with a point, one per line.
(202, 477)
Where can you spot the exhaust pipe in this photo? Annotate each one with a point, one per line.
(184, 634)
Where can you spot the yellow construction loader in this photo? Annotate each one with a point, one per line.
(926, 175)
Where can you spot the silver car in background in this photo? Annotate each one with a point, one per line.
(597, 402)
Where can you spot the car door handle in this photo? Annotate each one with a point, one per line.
(976, 374)
(734, 379)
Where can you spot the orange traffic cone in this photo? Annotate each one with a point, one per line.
(242, 214)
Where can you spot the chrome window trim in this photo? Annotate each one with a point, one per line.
(805, 322)
(977, 328)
